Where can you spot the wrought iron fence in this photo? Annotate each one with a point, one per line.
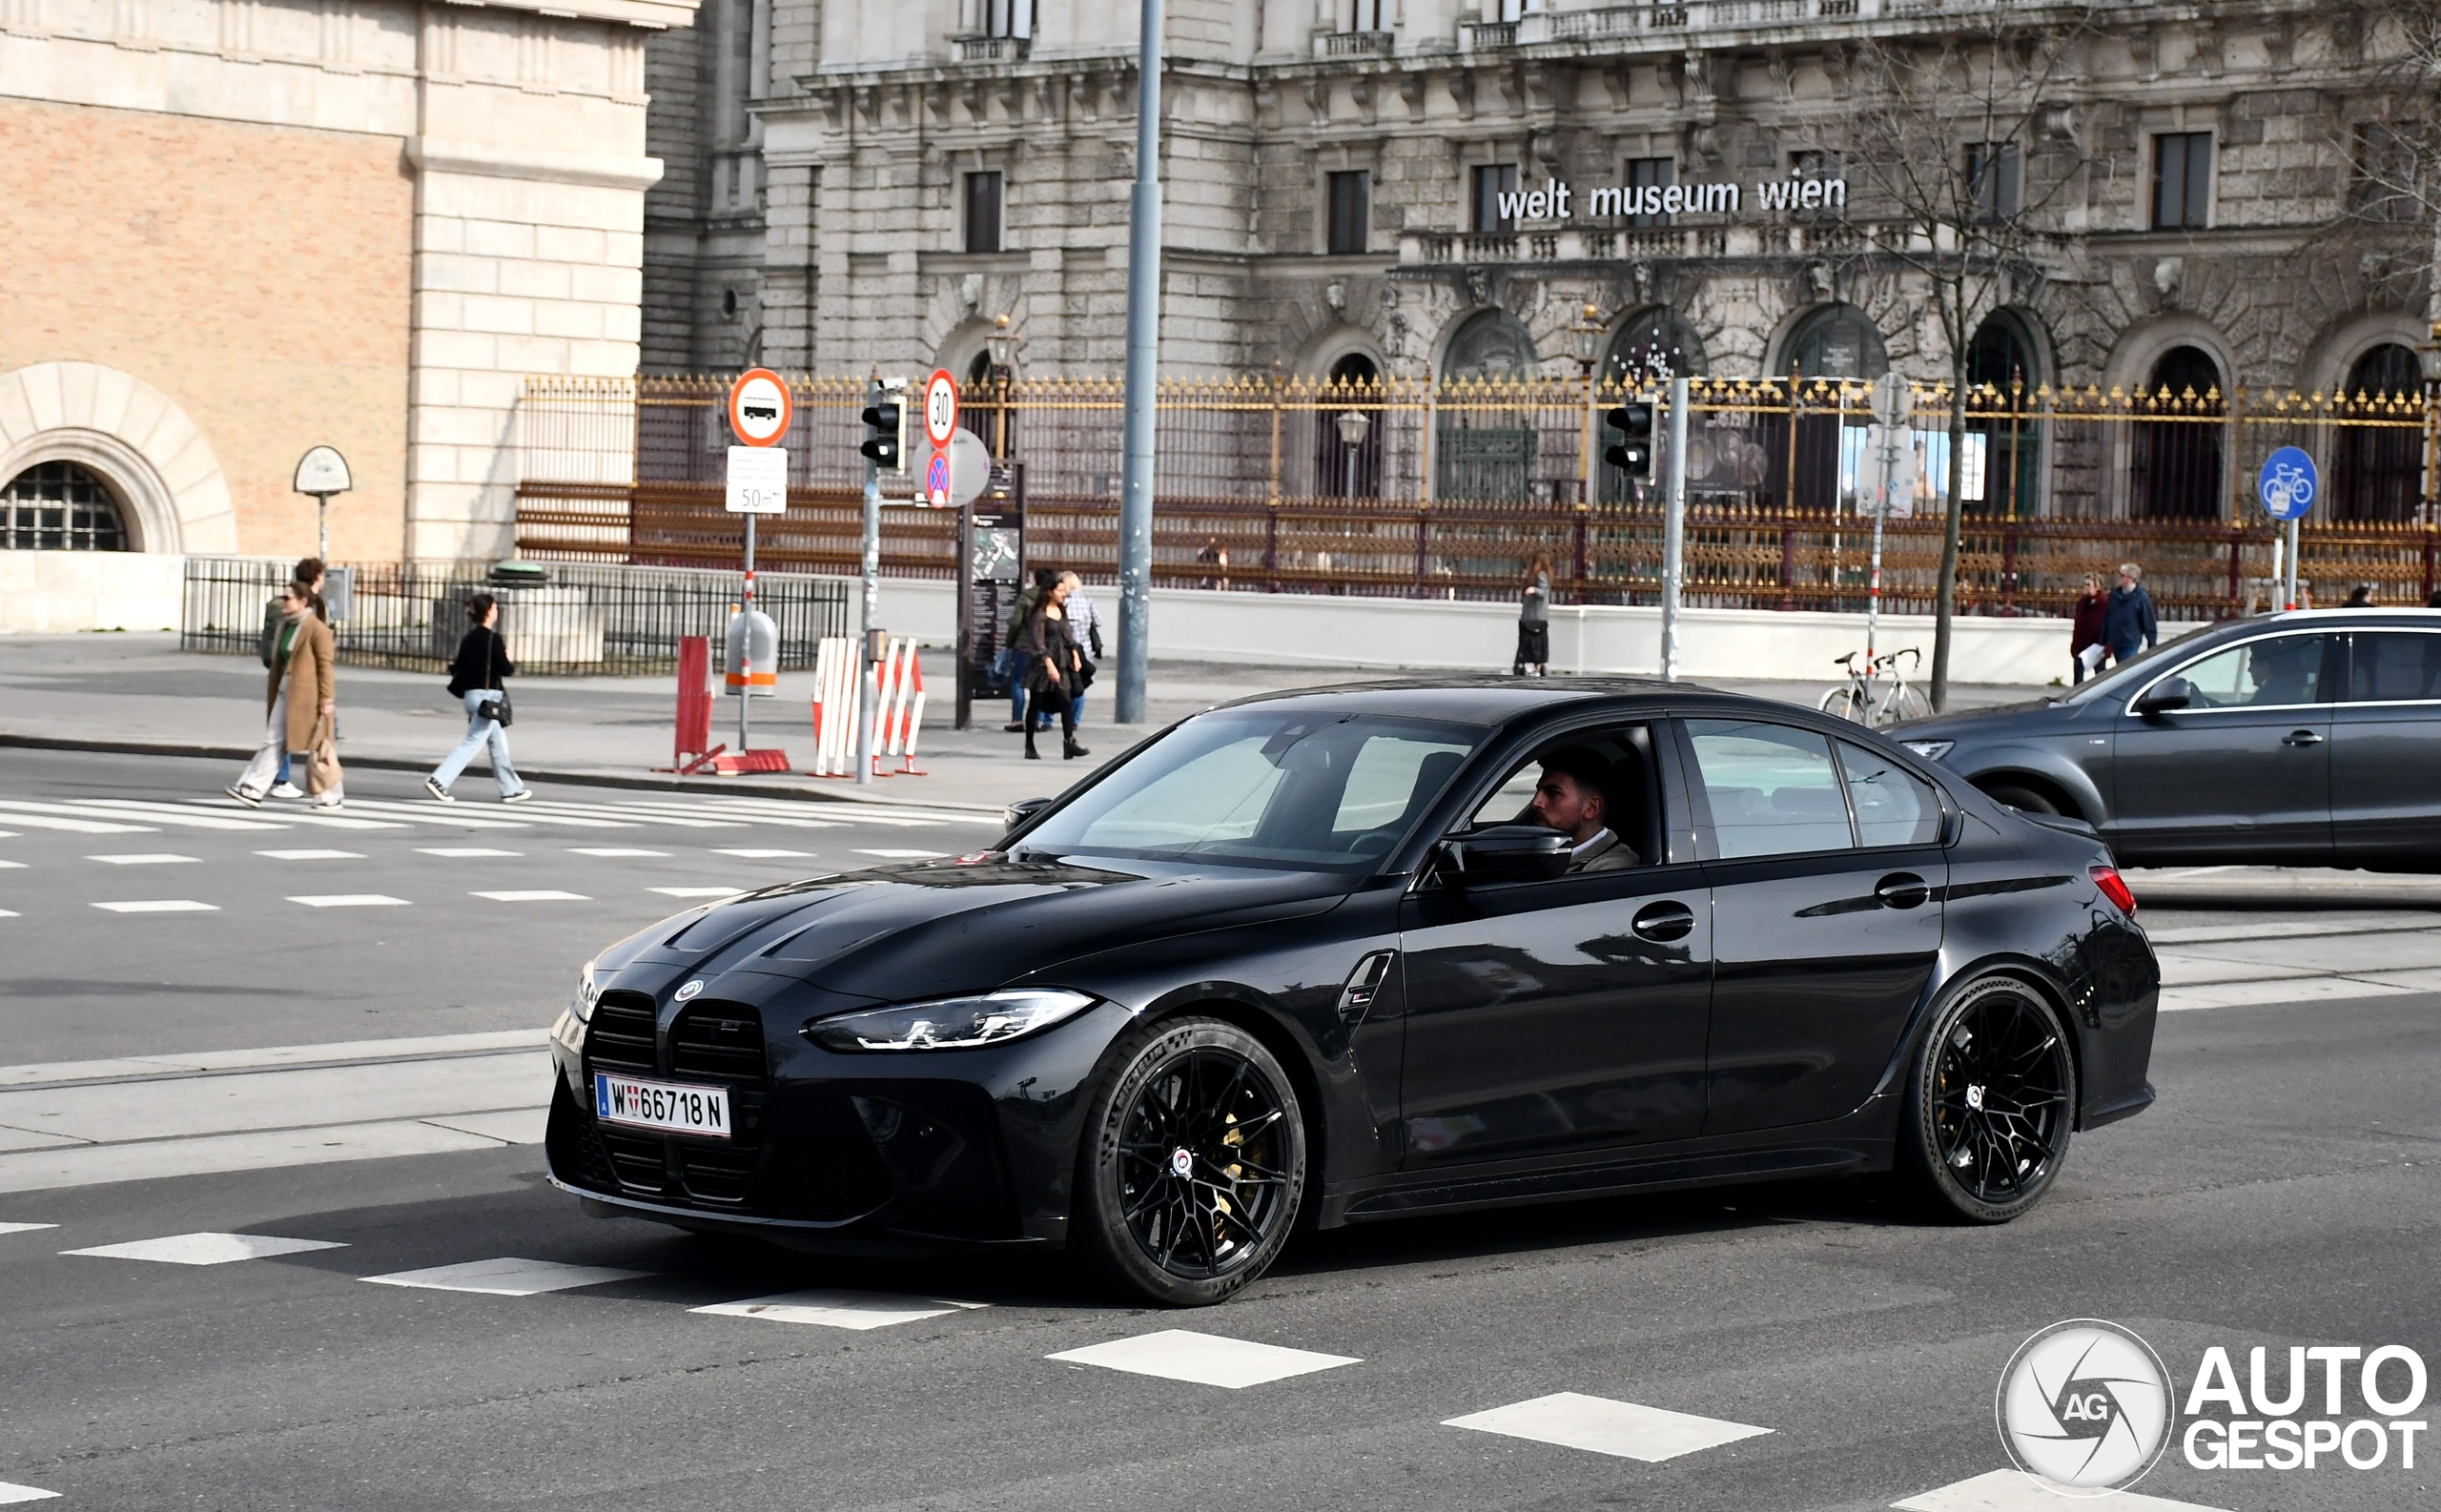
(581, 619)
(1449, 489)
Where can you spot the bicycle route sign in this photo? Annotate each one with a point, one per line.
(2289, 483)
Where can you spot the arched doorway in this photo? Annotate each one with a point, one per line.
(1340, 470)
(2002, 360)
(61, 506)
(2176, 468)
(1836, 342)
(1483, 453)
(2377, 471)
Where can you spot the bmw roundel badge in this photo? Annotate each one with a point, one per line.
(690, 990)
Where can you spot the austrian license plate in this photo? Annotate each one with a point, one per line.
(666, 1106)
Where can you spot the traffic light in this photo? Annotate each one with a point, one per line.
(887, 419)
(1632, 455)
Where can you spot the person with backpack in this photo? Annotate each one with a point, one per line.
(477, 676)
(301, 707)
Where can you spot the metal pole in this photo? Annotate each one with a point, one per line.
(871, 612)
(323, 528)
(745, 642)
(1143, 353)
(2289, 596)
(1881, 513)
(1673, 531)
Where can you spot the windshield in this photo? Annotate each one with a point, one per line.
(1294, 790)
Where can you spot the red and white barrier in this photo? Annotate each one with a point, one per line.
(838, 705)
(902, 709)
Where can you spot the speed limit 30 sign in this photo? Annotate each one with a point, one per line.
(940, 408)
(759, 407)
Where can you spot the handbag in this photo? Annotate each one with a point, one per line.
(496, 708)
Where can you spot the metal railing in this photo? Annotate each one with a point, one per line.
(1455, 485)
(579, 621)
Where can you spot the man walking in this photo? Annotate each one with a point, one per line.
(2128, 622)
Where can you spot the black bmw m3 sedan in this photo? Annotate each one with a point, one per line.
(1372, 952)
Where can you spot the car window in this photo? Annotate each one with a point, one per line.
(2268, 673)
(1894, 806)
(2394, 666)
(1390, 776)
(1771, 788)
(1507, 802)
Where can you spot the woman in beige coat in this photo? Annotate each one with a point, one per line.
(300, 702)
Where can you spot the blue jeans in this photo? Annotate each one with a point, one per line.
(479, 733)
(1017, 663)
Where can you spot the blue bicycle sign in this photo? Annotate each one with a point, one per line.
(2289, 483)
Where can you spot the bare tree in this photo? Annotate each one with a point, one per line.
(2396, 159)
(1962, 143)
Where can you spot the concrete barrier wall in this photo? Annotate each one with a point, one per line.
(50, 591)
(1318, 630)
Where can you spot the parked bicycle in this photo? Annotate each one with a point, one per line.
(1878, 694)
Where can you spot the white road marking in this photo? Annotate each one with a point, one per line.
(1626, 1429)
(22, 814)
(12, 865)
(25, 1228)
(1207, 1359)
(630, 814)
(607, 851)
(148, 858)
(113, 809)
(2016, 1491)
(463, 852)
(699, 892)
(6, 914)
(11, 1491)
(534, 895)
(312, 855)
(838, 1309)
(432, 814)
(206, 1249)
(507, 1277)
(905, 855)
(350, 900)
(160, 906)
(764, 853)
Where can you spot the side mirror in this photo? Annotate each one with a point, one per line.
(1506, 853)
(2167, 694)
(1023, 810)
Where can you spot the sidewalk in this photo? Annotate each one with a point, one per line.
(141, 692)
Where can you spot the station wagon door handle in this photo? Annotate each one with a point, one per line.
(2301, 737)
(1902, 889)
(1664, 922)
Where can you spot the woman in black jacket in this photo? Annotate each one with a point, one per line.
(1052, 663)
(477, 676)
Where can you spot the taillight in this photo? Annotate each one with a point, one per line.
(2114, 887)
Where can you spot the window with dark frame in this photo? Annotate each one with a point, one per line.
(1995, 172)
(1369, 15)
(1491, 181)
(983, 211)
(2181, 180)
(1650, 173)
(1351, 208)
(59, 506)
(1008, 18)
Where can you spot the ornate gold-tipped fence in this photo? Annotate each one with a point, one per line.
(1449, 489)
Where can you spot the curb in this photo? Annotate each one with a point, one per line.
(648, 781)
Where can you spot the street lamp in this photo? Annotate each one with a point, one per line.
(1002, 344)
(2431, 362)
(1586, 335)
(1354, 425)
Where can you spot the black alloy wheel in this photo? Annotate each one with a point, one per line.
(1994, 1100)
(1193, 1162)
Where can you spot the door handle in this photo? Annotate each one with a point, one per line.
(2301, 737)
(1663, 922)
(1902, 889)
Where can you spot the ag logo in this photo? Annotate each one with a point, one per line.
(688, 990)
(2085, 1407)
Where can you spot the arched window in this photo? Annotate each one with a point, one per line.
(1485, 454)
(2001, 358)
(1834, 343)
(1656, 344)
(1342, 471)
(2377, 471)
(59, 506)
(2176, 469)
(1491, 345)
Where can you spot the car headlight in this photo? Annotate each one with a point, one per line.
(581, 1006)
(952, 1023)
(1932, 750)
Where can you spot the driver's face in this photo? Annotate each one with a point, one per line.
(1562, 805)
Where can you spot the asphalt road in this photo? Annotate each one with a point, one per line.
(2282, 1193)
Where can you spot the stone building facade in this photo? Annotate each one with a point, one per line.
(873, 183)
(235, 229)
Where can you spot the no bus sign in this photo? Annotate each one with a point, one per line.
(759, 407)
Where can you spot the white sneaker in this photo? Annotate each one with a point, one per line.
(438, 791)
(286, 790)
(250, 800)
(325, 802)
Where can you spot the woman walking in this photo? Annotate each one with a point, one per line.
(300, 704)
(477, 676)
(1534, 620)
(2085, 633)
(1052, 665)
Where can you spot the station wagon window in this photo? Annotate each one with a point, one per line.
(2270, 673)
(2394, 667)
(1894, 806)
(1771, 788)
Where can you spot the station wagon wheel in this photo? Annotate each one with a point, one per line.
(1992, 1105)
(1193, 1162)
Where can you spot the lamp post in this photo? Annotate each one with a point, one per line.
(1353, 427)
(2430, 355)
(1002, 343)
(1586, 338)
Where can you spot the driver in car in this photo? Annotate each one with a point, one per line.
(1572, 799)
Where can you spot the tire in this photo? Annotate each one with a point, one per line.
(1176, 1201)
(1902, 703)
(1991, 1105)
(1845, 703)
(2024, 799)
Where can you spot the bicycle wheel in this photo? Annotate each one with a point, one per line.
(1852, 704)
(1899, 700)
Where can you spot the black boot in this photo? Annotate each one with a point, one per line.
(1032, 754)
(1072, 750)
